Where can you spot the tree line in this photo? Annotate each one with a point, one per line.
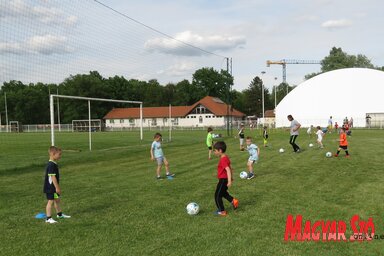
(29, 103)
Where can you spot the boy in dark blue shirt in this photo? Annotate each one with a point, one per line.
(51, 185)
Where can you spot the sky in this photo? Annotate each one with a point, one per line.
(49, 40)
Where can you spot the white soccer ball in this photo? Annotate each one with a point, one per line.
(243, 175)
(193, 208)
(281, 150)
(310, 145)
(328, 154)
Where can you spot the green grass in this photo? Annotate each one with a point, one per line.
(118, 207)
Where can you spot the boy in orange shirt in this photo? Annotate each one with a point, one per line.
(343, 143)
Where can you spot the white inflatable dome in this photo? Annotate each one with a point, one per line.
(350, 92)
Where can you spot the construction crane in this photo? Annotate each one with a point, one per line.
(284, 63)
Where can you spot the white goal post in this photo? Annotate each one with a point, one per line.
(52, 115)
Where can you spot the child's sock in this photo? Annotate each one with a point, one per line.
(338, 151)
(59, 214)
(346, 152)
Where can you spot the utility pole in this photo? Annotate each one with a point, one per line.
(262, 94)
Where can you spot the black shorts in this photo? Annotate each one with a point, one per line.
(210, 148)
(52, 196)
(343, 147)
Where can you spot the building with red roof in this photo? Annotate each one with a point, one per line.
(209, 111)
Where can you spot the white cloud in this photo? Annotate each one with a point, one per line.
(18, 8)
(211, 43)
(47, 44)
(340, 23)
(179, 69)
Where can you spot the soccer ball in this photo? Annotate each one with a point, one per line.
(310, 145)
(243, 175)
(281, 150)
(193, 208)
(328, 154)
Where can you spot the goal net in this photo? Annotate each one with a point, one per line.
(97, 125)
(89, 125)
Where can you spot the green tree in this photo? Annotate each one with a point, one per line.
(338, 59)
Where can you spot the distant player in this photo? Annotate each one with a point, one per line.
(254, 153)
(309, 131)
(265, 136)
(209, 142)
(294, 131)
(225, 176)
(330, 124)
(343, 143)
(51, 185)
(320, 135)
(158, 155)
(241, 137)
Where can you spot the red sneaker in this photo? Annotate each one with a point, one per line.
(235, 203)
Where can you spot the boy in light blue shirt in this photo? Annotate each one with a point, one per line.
(254, 153)
(158, 155)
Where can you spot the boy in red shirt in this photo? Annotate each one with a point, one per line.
(224, 174)
(343, 143)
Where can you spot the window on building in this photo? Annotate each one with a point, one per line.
(154, 121)
(112, 121)
(200, 119)
(165, 120)
(175, 121)
(131, 120)
(121, 121)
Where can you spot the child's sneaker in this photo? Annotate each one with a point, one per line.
(170, 174)
(159, 178)
(250, 176)
(235, 203)
(63, 216)
(50, 221)
(221, 213)
(335, 155)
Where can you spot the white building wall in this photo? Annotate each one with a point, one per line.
(192, 120)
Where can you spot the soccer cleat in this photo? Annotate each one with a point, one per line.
(50, 221)
(221, 213)
(335, 155)
(170, 174)
(250, 176)
(159, 178)
(63, 216)
(235, 203)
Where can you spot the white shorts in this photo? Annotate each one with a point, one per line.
(320, 139)
(241, 141)
(252, 159)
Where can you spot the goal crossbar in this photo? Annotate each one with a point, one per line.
(52, 115)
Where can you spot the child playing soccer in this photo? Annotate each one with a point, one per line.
(224, 174)
(309, 131)
(265, 136)
(51, 185)
(254, 153)
(343, 143)
(209, 142)
(241, 137)
(320, 135)
(157, 153)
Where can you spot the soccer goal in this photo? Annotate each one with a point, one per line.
(91, 122)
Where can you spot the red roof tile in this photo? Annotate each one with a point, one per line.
(215, 105)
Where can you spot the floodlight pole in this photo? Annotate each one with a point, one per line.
(6, 112)
(141, 121)
(170, 122)
(89, 125)
(52, 120)
(262, 94)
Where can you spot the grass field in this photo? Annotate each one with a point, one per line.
(118, 208)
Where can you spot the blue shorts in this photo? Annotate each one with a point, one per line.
(160, 160)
